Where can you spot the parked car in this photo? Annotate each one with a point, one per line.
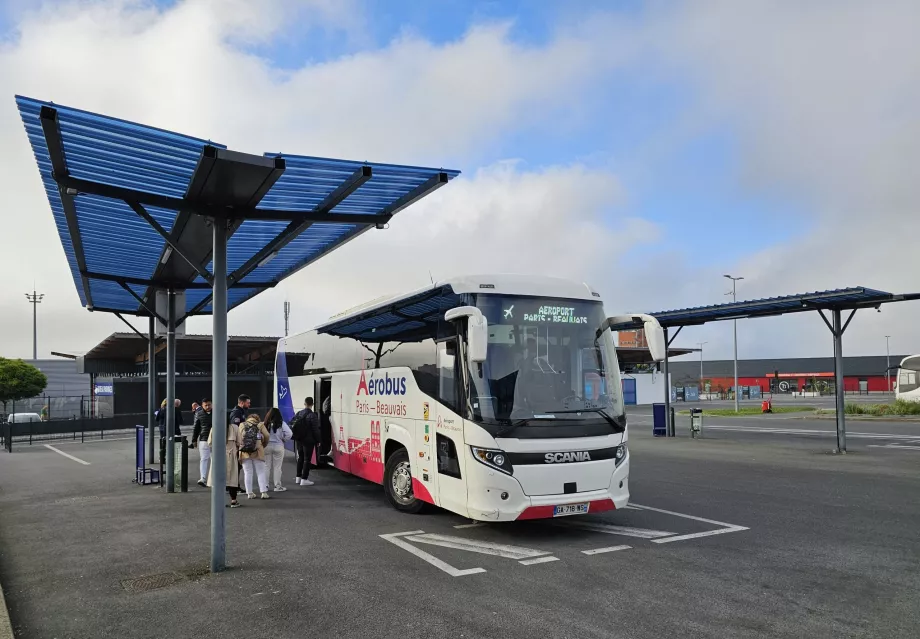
(21, 418)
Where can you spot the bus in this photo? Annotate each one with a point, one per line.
(496, 397)
(907, 384)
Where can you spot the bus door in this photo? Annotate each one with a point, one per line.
(448, 435)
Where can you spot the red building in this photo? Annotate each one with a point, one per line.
(860, 374)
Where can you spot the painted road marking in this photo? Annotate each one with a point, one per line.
(476, 524)
(538, 560)
(610, 529)
(808, 431)
(598, 551)
(726, 528)
(483, 547)
(898, 446)
(395, 539)
(61, 452)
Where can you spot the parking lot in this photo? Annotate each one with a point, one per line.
(738, 534)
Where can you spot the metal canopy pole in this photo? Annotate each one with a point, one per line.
(219, 398)
(667, 389)
(838, 381)
(170, 390)
(151, 390)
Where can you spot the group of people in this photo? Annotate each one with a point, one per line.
(254, 444)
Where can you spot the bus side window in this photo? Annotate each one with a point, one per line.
(447, 384)
(448, 464)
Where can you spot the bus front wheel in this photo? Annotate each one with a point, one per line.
(397, 483)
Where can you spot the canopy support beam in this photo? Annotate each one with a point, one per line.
(294, 229)
(837, 329)
(52, 131)
(142, 212)
(143, 303)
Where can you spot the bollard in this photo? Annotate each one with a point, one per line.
(696, 422)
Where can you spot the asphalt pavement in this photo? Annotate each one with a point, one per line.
(734, 535)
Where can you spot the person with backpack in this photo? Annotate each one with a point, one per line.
(278, 433)
(253, 439)
(306, 435)
(232, 479)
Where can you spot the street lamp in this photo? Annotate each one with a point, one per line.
(735, 322)
(701, 363)
(35, 299)
(888, 365)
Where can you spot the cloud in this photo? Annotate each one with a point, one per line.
(820, 99)
(502, 219)
(191, 68)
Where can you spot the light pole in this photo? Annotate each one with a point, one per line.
(888, 365)
(735, 322)
(701, 364)
(35, 299)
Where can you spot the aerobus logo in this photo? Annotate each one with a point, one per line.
(385, 385)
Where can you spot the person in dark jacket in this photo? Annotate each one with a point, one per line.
(203, 422)
(161, 418)
(306, 436)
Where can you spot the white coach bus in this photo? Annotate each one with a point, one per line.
(496, 397)
(907, 385)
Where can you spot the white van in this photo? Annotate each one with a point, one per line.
(21, 418)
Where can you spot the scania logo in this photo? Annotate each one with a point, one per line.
(563, 458)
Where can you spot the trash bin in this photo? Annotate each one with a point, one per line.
(696, 422)
(659, 423)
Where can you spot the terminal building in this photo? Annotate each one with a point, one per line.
(861, 375)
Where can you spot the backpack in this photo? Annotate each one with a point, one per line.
(299, 427)
(251, 436)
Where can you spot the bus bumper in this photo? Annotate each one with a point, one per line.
(486, 503)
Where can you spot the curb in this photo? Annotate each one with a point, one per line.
(6, 628)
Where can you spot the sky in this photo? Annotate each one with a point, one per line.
(647, 148)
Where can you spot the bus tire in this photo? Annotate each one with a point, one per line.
(397, 483)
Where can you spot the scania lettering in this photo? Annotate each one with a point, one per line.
(496, 397)
(560, 458)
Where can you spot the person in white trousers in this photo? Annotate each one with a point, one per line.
(278, 434)
(253, 430)
(203, 421)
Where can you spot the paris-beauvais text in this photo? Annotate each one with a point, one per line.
(555, 315)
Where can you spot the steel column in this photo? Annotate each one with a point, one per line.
(668, 426)
(219, 398)
(151, 390)
(838, 380)
(170, 390)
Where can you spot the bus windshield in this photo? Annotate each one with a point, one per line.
(545, 362)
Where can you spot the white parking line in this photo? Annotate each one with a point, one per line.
(476, 524)
(394, 538)
(61, 452)
(726, 528)
(598, 551)
(610, 529)
(482, 547)
(538, 560)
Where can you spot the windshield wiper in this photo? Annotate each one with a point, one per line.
(600, 411)
(512, 426)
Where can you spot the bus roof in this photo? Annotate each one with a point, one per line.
(384, 316)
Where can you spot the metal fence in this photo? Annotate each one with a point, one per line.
(83, 429)
(62, 407)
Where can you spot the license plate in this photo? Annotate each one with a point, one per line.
(570, 509)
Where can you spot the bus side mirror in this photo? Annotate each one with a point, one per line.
(477, 331)
(654, 335)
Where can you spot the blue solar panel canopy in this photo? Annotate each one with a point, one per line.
(134, 207)
(839, 299)
(412, 317)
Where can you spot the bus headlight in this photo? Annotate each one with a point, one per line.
(493, 459)
(620, 454)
